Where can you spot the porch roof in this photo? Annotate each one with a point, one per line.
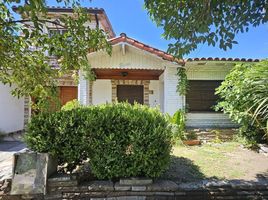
(128, 74)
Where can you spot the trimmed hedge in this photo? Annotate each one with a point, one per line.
(120, 140)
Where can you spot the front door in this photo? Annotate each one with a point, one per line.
(130, 93)
(67, 93)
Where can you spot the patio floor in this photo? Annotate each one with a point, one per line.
(7, 149)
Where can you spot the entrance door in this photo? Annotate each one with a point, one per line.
(130, 93)
(67, 93)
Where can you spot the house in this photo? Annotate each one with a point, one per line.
(134, 72)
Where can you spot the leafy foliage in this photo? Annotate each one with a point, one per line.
(120, 140)
(191, 23)
(26, 46)
(183, 84)
(244, 96)
(178, 120)
(71, 105)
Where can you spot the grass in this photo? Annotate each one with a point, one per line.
(207, 161)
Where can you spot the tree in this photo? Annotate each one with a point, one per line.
(25, 47)
(211, 22)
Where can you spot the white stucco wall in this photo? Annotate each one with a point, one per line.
(154, 99)
(11, 111)
(101, 91)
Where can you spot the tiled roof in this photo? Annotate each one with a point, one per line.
(70, 9)
(124, 38)
(223, 59)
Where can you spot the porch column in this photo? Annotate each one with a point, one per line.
(83, 89)
(172, 100)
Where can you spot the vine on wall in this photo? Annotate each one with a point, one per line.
(182, 86)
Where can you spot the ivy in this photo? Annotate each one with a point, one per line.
(182, 86)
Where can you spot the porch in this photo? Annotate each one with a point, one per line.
(145, 86)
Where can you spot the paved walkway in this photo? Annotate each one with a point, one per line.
(7, 149)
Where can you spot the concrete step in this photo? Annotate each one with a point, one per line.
(209, 120)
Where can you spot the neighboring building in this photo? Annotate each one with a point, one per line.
(134, 72)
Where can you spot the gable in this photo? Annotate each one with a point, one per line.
(126, 56)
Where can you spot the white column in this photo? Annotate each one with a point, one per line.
(172, 100)
(83, 89)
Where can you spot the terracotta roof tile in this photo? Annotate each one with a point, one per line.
(222, 59)
(124, 38)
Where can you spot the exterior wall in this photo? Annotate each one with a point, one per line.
(83, 90)
(11, 111)
(172, 100)
(154, 95)
(101, 91)
(207, 72)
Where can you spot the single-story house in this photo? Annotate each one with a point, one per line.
(136, 72)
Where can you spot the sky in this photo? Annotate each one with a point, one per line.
(130, 17)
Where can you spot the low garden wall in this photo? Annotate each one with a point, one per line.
(68, 187)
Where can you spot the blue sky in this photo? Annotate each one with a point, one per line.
(130, 17)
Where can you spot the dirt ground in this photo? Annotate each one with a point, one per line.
(228, 161)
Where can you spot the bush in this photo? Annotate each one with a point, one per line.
(71, 105)
(120, 140)
(244, 95)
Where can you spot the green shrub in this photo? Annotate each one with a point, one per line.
(120, 140)
(60, 134)
(244, 97)
(178, 121)
(71, 105)
(191, 136)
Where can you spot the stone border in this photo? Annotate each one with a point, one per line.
(66, 187)
(145, 83)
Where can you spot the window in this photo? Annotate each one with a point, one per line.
(201, 95)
